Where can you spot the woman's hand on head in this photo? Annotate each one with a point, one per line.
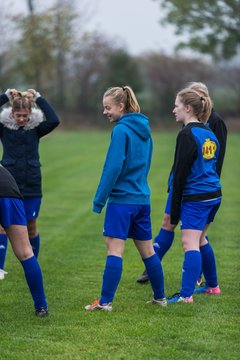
(35, 94)
(11, 93)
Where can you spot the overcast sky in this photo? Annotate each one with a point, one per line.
(134, 23)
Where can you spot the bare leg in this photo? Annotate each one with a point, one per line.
(18, 236)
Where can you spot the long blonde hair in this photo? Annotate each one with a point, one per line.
(200, 102)
(124, 95)
(200, 87)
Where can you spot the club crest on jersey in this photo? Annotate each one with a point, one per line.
(209, 148)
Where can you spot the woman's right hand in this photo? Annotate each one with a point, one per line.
(11, 93)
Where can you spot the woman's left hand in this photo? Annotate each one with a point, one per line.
(35, 94)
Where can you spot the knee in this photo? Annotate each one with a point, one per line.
(166, 225)
(147, 251)
(115, 247)
(189, 244)
(23, 254)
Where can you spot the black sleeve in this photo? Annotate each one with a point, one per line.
(3, 99)
(52, 119)
(185, 154)
(218, 126)
(220, 130)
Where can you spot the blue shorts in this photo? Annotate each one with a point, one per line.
(32, 207)
(196, 215)
(128, 221)
(12, 212)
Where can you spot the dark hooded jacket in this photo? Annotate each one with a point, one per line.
(21, 144)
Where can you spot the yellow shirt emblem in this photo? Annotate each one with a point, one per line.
(209, 148)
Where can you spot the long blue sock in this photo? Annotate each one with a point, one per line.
(190, 272)
(200, 275)
(35, 243)
(111, 278)
(162, 242)
(34, 280)
(209, 265)
(3, 249)
(155, 273)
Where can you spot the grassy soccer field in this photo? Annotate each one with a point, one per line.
(72, 257)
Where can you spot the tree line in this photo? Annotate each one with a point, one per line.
(51, 52)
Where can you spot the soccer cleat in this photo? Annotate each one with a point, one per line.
(97, 306)
(162, 302)
(177, 298)
(208, 290)
(143, 278)
(41, 312)
(2, 274)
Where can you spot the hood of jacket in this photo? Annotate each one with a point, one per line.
(138, 123)
(7, 120)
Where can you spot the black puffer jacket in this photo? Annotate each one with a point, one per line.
(21, 145)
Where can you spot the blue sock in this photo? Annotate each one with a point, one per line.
(111, 278)
(155, 273)
(209, 265)
(162, 242)
(35, 243)
(190, 272)
(200, 275)
(3, 249)
(33, 275)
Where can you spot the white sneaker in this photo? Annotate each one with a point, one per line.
(2, 274)
(96, 306)
(162, 302)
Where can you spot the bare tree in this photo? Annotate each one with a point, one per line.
(30, 6)
(63, 40)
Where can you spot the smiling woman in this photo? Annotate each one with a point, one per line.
(124, 183)
(118, 101)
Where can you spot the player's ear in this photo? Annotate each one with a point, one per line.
(121, 106)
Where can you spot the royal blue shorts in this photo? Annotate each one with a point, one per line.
(196, 215)
(12, 212)
(32, 207)
(128, 221)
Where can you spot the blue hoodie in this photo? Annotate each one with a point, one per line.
(128, 160)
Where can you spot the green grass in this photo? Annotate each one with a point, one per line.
(72, 257)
